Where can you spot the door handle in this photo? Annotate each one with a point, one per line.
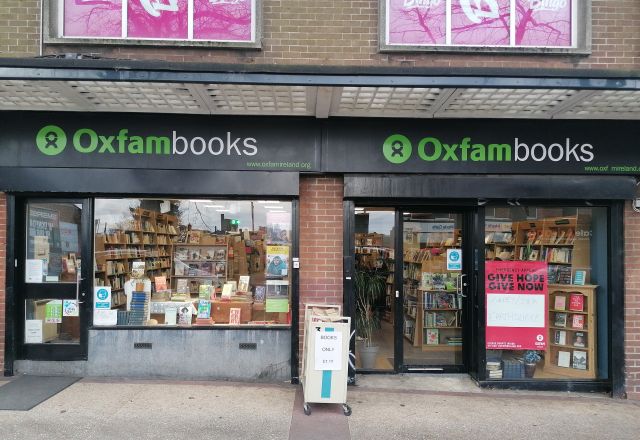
(462, 285)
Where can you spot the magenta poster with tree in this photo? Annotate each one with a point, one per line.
(202, 20)
(93, 18)
(485, 23)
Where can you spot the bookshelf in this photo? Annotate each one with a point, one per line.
(562, 242)
(432, 301)
(371, 254)
(147, 236)
(571, 350)
(199, 263)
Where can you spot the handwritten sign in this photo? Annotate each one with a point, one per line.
(328, 351)
(516, 304)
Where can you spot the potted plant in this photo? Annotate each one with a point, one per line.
(370, 287)
(531, 359)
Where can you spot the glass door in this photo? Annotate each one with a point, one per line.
(374, 288)
(53, 277)
(434, 291)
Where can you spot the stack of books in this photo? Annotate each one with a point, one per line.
(494, 369)
(454, 340)
(139, 309)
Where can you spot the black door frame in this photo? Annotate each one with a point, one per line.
(49, 352)
(471, 252)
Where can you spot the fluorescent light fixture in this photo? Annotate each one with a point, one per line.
(273, 207)
(406, 213)
(214, 206)
(223, 210)
(200, 201)
(279, 211)
(268, 201)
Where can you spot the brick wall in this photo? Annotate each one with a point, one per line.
(632, 301)
(342, 32)
(3, 253)
(19, 28)
(320, 242)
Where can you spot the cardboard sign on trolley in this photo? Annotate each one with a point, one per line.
(516, 304)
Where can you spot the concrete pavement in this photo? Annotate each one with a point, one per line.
(386, 407)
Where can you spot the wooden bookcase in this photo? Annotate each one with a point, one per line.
(562, 242)
(424, 312)
(147, 237)
(198, 263)
(588, 315)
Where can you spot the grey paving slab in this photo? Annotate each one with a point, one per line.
(393, 415)
(102, 410)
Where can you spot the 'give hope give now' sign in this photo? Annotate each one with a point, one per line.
(516, 304)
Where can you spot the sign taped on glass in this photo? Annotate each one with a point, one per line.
(516, 303)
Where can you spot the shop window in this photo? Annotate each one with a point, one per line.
(486, 25)
(177, 22)
(546, 287)
(192, 262)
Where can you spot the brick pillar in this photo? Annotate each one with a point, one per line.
(320, 242)
(3, 254)
(632, 301)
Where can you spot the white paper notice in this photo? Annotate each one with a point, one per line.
(105, 317)
(33, 271)
(33, 331)
(328, 351)
(514, 310)
(70, 308)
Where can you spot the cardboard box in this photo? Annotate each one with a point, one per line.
(220, 311)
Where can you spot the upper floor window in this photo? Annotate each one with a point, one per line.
(494, 25)
(154, 21)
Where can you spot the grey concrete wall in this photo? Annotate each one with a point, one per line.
(179, 354)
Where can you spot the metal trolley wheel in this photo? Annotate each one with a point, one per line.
(346, 409)
(307, 409)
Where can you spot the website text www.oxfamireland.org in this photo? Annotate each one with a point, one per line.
(612, 169)
(270, 164)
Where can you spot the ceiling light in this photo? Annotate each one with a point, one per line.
(279, 211)
(223, 210)
(274, 207)
(214, 206)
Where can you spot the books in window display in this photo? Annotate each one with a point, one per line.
(139, 308)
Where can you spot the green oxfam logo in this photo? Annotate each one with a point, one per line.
(51, 140)
(397, 148)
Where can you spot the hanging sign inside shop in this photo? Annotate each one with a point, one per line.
(516, 304)
(328, 352)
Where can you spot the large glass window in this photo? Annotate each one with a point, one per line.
(192, 262)
(546, 286)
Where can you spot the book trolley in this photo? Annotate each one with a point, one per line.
(325, 356)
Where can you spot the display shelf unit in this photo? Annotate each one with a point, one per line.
(200, 263)
(574, 354)
(563, 242)
(370, 254)
(147, 237)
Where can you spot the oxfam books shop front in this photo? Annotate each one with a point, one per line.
(168, 246)
(492, 248)
(153, 245)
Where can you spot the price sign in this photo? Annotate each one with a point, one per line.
(328, 350)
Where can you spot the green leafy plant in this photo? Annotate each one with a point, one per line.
(370, 288)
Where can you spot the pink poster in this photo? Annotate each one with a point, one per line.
(481, 22)
(543, 23)
(166, 19)
(92, 18)
(223, 20)
(516, 305)
(417, 21)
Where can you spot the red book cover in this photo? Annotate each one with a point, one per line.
(576, 302)
(578, 321)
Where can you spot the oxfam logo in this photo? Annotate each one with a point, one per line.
(397, 148)
(51, 140)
